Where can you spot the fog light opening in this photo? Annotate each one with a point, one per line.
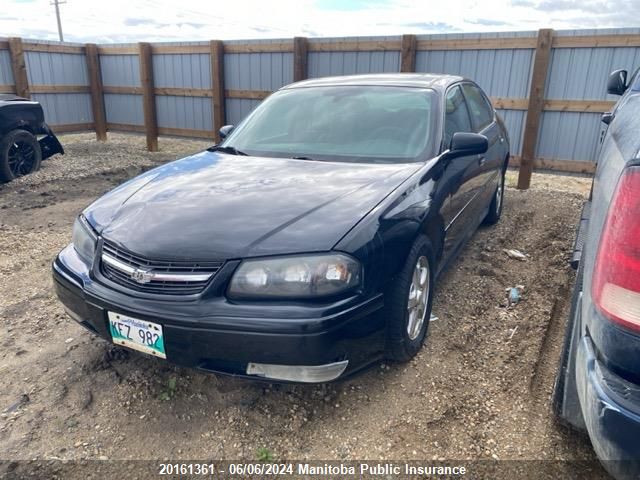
(298, 373)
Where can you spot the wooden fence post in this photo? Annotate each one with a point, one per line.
(300, 49)
(408, 53)
(95, 85)
(19, 67)
(536, 104)
(217, 87)
(148, 96)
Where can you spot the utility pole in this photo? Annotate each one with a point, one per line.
(57, 4)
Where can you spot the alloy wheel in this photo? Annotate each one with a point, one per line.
(418, 297)
(22, 158)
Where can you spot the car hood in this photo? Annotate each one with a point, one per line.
(218, 206)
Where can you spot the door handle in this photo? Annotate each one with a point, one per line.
(481, 159)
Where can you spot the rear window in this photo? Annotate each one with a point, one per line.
(481, 111)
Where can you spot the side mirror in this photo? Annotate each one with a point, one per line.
(617, 83)
(463, 144)
(607, 118)
(226, 130)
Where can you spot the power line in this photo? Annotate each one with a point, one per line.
(57, 4)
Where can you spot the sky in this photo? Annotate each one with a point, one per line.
(115, 21)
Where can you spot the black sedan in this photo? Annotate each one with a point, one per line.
(307, 244)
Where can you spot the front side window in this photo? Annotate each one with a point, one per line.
(342, 123)
(481, 111)
(456, 118)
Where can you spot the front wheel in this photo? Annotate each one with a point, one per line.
(495, 209)
(20, 154)
(408, 303)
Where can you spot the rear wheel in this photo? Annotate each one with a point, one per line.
(20, 155)
(408, 303)
(495, 209)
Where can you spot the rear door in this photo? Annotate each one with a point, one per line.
(483, 120)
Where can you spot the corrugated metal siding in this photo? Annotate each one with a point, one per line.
(514, 120)
(6, 74)
(120, 70)
(580, 74)
(65, 108)
(44, 68)
(257, 71)
(574, 74)
(182, 71)
(124, 109)
(324, 64)
(500, 73)
(184, 112)
(569, 136)
(238, 108)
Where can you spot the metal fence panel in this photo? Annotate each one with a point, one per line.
(47, 68)
(569, 136)
(184, 112)
(6, 74)
(65, 108)
(182, 71)
(120, 70)
(325, 64)
(514, 121)
(126, 109)
(238, 108)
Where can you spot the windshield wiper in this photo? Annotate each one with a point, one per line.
(227, 149)
(302, 158)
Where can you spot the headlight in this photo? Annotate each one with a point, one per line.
(84, 239)
(296, 277)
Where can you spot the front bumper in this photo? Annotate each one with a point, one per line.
(214, 335)
(611, 410)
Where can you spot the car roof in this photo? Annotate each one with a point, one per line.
(417, 80)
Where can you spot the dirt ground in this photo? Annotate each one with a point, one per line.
(479, 389)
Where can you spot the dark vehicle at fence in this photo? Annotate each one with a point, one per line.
(306, 245)
(598, 385)
(21, 123)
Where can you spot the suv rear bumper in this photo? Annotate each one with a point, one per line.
(318, 348)
(611, 409)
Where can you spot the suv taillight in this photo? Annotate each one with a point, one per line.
(616, 278)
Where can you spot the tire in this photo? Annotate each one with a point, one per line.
(402, 345)
(20, 155)
(497, 202)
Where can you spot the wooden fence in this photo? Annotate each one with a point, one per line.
(408, 47)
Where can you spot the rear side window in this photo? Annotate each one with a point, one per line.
(481, 111)
(456, 117)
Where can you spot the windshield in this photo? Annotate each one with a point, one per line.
(347, 123)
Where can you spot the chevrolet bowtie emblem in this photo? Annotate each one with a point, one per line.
(141, 276)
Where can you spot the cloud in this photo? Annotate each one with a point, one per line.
(430, 26)
(134, 22)
(166, 20)
(488, 22)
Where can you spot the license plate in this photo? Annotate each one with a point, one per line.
(140, 335)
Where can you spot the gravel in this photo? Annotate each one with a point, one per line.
(479, 389)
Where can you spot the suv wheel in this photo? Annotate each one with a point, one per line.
(20, 155)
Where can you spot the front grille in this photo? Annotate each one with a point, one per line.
(118, 272)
